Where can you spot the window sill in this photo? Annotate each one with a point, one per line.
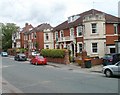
(93, 34)
(80, 36)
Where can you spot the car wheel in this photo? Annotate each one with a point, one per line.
(30, 62)
(108, 73)
(36, 63)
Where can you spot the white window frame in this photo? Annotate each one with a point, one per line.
(79, 47)
(46, 34)
(93, 28)
(94, 48)
(56, 36)
(31, 35)
(71, 30)
(47, 45)
(79, 30)
(61, 32)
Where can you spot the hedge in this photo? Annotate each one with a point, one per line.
(53, 53)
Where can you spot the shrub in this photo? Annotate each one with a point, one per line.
(53, 53)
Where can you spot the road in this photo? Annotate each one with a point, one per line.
(29, 78)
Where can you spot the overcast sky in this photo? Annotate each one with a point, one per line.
(54, 12)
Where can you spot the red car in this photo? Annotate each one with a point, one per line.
(38, 60)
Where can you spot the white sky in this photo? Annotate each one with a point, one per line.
(54, 12)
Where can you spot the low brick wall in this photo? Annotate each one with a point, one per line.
(56, 60)
(64, 60)
(96, 61)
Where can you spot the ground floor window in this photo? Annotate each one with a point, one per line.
(80, 47)
(112, 50)
(95, 47)
(47, 46)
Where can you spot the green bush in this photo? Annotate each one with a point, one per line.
(53, 53)
(21, 50)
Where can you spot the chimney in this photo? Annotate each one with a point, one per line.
(26, 24)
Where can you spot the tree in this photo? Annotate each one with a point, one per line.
(7, 31)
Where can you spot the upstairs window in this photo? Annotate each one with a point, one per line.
(94, 28)
(79, 31)
(46, 36)
(56, 36)
(61, 33)
(115, 29)
(34, 35)
(71, 31)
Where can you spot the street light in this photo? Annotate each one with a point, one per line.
(29, 47)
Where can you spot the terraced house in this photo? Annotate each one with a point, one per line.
(93, 31)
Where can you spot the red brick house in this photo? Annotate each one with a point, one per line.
(18, 37)
(93, 31)
(24, 35)
(36, 36)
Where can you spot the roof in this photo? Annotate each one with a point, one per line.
(43, 26)
(26, 29)
(108, 18)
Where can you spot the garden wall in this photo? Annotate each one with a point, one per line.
(64, 60)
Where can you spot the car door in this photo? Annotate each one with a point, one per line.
(119, 68)
(116, 68)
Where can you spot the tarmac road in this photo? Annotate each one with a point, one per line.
(27, 78)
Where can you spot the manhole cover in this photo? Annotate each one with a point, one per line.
(4, 83)
(70, 69)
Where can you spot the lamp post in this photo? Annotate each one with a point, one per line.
(75, 44)
(29, 47)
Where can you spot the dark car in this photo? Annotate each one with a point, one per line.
(111, 59)
(20, 57)
(4, 54)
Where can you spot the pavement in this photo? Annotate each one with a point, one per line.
(75, 66)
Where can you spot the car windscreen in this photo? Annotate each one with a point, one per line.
(40, 56)
(4, 53)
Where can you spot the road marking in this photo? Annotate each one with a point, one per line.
(11, 58)
(5, 66)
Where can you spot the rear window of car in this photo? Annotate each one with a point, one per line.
(107, 56)
(21, 54)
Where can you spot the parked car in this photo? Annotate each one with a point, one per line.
(20, 57)
(34, 53)
(111, 70)
(37, 60)
(4, 54)
(110, 59)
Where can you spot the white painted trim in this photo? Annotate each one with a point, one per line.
(92, 48)
(112, 35)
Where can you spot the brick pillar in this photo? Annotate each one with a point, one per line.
(66, 58)
(84, 55)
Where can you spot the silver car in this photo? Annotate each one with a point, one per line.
(111, 70)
